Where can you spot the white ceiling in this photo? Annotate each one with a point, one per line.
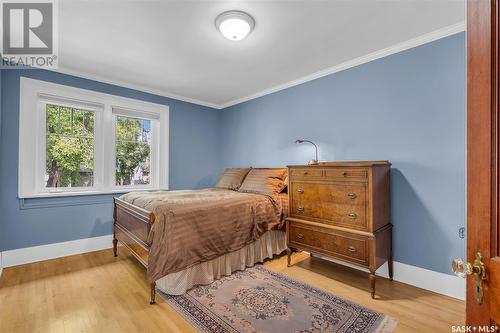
(173, 49)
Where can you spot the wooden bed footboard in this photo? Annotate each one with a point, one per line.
(131, 228)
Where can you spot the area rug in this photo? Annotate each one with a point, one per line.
(260, 300)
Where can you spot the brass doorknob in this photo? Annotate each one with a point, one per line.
(462, 268)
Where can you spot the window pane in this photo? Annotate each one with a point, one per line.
(70, 147)
(133, 151)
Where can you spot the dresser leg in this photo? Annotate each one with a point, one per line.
(288, 257)
(153, 293)
(115, 247)
(390, 265)
(372, 283)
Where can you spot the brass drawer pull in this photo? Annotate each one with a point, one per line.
(300, 190)
(300, 208)
(352, 195)
(344, 173)
(352, 215)
(300, 236)
(351, 248)
(306, 173)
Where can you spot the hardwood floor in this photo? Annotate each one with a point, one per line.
(96, 292)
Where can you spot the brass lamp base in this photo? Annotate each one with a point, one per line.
(313, 162)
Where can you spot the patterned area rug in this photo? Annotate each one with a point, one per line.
(260, 300)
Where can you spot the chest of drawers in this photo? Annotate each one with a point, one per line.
(342, 210)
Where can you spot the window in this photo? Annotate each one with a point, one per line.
(69, 153)
(133, 151)
(84, 142)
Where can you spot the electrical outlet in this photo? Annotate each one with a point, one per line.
(461, 232)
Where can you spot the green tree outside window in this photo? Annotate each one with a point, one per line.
(70, 148)
(133, 141)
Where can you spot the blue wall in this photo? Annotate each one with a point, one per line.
(194, 163)
(408, 108)
(2, 233)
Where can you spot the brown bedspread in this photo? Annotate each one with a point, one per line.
(199, 225)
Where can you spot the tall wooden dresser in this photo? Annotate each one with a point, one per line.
(342, 210)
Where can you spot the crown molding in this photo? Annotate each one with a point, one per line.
(396, 48)
(123, 84)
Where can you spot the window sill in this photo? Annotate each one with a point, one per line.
(87, 193)
(65, 199)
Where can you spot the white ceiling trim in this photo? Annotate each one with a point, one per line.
(411, 43)
(123, 84)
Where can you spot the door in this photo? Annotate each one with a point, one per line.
(483, 292)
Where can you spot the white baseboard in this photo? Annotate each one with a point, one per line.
(437, 282)
(51, 251)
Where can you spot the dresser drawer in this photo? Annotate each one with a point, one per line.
(345, 246)
(339, 193)
(348, 216)
(306, 173)
(342, 205)
(346, 173)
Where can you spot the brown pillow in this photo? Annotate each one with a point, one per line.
(232, 178)
(264, 181)
(285, 185)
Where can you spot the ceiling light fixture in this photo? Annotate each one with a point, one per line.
(234, 24)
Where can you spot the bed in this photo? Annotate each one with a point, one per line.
(191, 237)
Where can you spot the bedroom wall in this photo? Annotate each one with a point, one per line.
(408, 108)
(1, 205)
(1, 71)
(194, 163)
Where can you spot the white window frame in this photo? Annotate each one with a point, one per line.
(41, 142)
(35, 94)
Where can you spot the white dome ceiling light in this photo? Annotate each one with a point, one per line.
(234, 24)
